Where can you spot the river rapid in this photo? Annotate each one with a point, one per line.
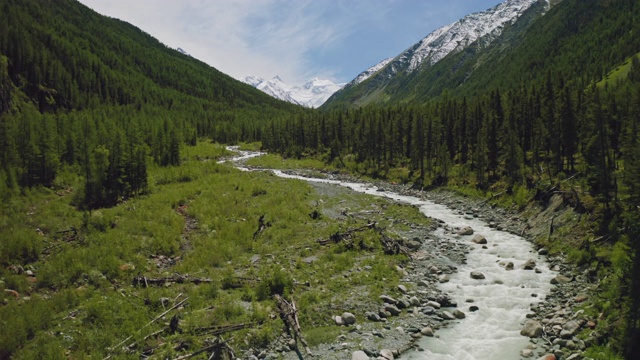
(503, 298)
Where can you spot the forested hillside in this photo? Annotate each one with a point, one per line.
(95, 113)
(557, 113)
(81, 90)
(576, 40)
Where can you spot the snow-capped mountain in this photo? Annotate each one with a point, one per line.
(460, 34)
(312, 94)
(392, 76)
(370, 71)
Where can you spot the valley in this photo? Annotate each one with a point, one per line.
(475, 196)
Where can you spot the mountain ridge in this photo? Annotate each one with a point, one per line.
(476, 30)
(311, 94)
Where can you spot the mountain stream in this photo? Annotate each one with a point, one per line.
(503, 298)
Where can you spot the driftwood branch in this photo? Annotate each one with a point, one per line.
(262, 225)
(220, 329)
(219, 350)
(289, 315)
(342, 236)
(392, 246)
(149, 323)
(176, 278)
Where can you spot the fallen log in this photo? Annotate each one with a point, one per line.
(220, 350)
(115, 347)
(342, 236)
(221, 329)
(392, 246)
(289, 315)
(176, 278)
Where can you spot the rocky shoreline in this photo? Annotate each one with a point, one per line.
(385, 329)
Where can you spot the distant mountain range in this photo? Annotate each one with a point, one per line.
(312, 94)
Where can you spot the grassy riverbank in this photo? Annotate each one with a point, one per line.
(79, 284)
(560, 217)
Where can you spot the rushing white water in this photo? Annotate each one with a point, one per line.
(503, 297)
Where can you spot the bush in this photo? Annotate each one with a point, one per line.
(276, 283)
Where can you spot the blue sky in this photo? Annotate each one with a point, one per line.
(295, 39)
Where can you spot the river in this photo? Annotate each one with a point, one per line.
(503, 298)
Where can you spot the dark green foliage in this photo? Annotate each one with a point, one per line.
(98, 94)
(569, 39)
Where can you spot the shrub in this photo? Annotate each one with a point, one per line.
(276, 283)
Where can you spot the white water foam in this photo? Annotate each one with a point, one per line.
(503, 298)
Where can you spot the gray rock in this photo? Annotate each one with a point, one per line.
(477, 275)
(359, 355)
(372, 316)
(434, 304)
(447, 315)
(459, 314)
(467, 230)
(527, 353)
(413, 245)
(473, 308)
(570, 329)
(348, 318)
(338, 320)
(392, 309)
(427, 331)
(403, 303)
(560, 279)
(292, 344)
(402, 288)
(531, 328)
(443, 278)
(414, 301)
(509, 266)
(529, 265)
(388, 299)
(387, 354)
(479, 239)
(543, 251)
(423, 283)
(428, 310)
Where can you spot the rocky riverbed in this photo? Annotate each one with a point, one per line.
(387, 326)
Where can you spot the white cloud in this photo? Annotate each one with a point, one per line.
(238, 37)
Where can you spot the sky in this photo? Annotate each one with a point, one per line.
(295, 39)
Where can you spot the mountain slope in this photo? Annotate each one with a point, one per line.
(312, 94)
(580, 40)
(479, 29)
(65, 52)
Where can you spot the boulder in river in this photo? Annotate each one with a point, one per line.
(427, 331)
(459, 314)
(529, 265)
(531, 328)
(509, 266)
(447, 315)
(467, 230)
(479, 239)
(477, 275)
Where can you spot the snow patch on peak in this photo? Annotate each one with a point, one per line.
(370, 71)
(312, 94)
(460, 34)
